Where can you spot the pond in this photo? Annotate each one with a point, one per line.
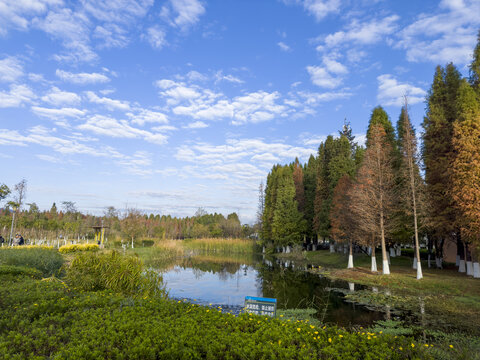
(225, 281)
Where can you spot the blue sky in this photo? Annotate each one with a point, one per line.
(172, 105)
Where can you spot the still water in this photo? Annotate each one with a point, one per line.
(226, 281)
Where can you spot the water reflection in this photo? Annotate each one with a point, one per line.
(226, 281)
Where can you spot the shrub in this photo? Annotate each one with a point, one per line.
(66, 249)
(122, 274)
(20, 270)
(56, 322)
(48, 261)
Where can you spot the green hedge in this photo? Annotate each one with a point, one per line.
(48, 261)
(49, 320)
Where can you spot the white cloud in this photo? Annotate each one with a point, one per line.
(330, 75)
(48, 158)
(18, 95)
(182, 13)
(148, 116)
(448, 36)
(10, 69)
(320, 8)
(107, 126)
(118, 11)
(283, 46)
(219, 76)
(18, 14)
(56, 114)
(112, 35)
(321, 77)
(57, 97)
(391, 92)
(156, 37)
(196, 125)
(313, 98)
(365, 33)
(81, 78)
(110, 104)
(196, 76)
(72, 28)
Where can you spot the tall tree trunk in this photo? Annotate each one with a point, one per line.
(350, 257)
(385, 266)
(374, 260)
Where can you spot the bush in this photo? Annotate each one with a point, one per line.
(122, 274)
(20, 271)
(66, 249)
(48, 261)
(56, 322)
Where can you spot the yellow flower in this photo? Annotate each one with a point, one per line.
(281, 315)
(298, 329)
(279, 342)
(369, 338)
(413, 345)
(316, 332)
(400, 348)
(329, 340)
(426, 345)
(311, 326)
(451, 346)
(340, 336)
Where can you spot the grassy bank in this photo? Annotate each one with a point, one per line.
(444, 298)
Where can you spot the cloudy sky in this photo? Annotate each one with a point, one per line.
(172, 105)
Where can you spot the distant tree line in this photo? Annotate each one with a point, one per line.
(389, 192)
(67, 222)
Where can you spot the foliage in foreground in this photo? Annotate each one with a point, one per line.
(112, 271)
(48, 261)
(46, 320)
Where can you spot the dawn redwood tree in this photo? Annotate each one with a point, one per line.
(466, 170)
(342, 218)
(437, 156)
(373, 196)
(336, 158)
(299, 185)
(309, 181)
(475, 67)
(410, 180)
(288, 224)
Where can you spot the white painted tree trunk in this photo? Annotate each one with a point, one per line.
(263, 249)
(461, 267)
(419, 270)
(415, 262)
(288, 249)
(374, 264)
(469, 268)
(399, 251)
(332, 248)
(476, 270)
(132, 243)
(351, 286)
(350, 262)
(314, 247)
(385, 268)
(392, 252)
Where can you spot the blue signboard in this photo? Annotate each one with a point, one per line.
(260, 305)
